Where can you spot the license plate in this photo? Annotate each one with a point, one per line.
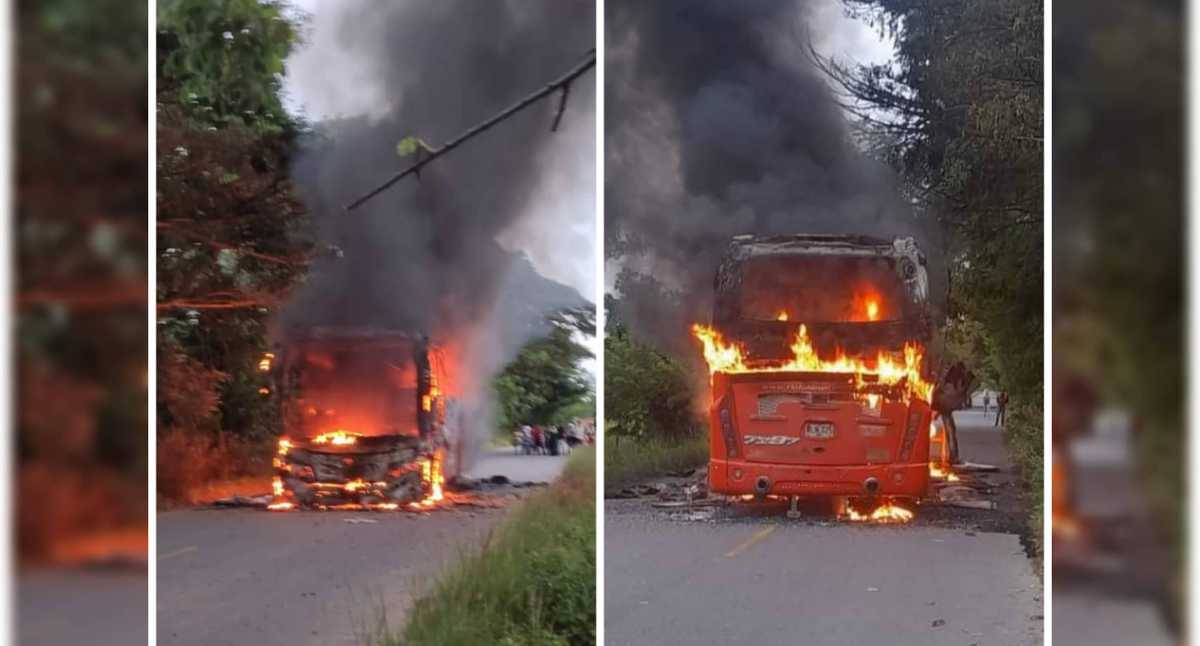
(818, 430)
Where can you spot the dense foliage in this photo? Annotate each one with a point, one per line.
(647, 394)
(231, 229)
(546, 383)
(959, 113)
(224, 60)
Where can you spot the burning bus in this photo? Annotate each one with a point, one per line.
(816, 354)
(366, 422)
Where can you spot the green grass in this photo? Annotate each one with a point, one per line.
(628, 461)
(532, 583)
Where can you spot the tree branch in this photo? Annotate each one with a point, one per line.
(562, 82)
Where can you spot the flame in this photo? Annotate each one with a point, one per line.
(889, 368)
(277, 486)
(888, 512)
(284, 445)
(431, 474)
(872, 309)
(264, 364)
(337, 438)
(938, 473)
(783, 316)
(280, 506)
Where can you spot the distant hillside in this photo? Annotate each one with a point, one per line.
(526, 298)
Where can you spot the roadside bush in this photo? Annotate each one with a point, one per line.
(648, 395)
(629, 460)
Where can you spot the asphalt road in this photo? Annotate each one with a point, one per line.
(104, 607)
(769, 581)
(246, 576)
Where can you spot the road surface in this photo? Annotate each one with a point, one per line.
(246, 576)
(104, 607)
(768, 581)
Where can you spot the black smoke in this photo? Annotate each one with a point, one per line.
(423, 255)
(717, 123)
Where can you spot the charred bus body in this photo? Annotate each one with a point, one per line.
(827, 394)
(365, 419)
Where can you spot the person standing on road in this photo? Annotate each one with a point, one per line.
(987, 402)
(526, 439)
(1001, 405)
(573, 439)
(536, 433)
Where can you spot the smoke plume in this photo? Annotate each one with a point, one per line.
(423, 255)
(718, 124)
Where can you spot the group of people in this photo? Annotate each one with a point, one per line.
(1001, 405)
(535, 439)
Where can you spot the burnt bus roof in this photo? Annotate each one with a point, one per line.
(744, 246)
(910, 266)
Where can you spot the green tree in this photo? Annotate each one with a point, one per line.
(546, 383)
(224, 59)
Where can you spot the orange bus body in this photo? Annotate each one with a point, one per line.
(806, 434)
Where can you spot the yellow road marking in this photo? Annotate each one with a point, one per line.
(758, 536)
(179, 552)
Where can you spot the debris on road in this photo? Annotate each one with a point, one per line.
(463, 483)
(974, 467)
(684, 504)
(244, 501)
(971, 504)
(967, 493)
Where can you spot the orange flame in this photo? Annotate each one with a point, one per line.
(889, 368)
(277, 490)
(872, 310)
(889, 512)
(783, 316)
(337, 438)
(431, 474)
(264, 364)
(938, 473)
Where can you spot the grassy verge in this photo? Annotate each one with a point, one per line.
(1023, 432)
(628, 461)
(533, 582)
